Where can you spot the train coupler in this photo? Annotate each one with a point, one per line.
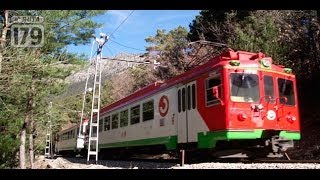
(279, 144)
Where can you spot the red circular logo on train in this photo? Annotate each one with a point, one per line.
(163, 105)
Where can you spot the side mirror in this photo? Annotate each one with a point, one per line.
(283, 100)
(215, 91)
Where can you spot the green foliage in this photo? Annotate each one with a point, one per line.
(47, 66)
(9, 129)
(168, 42)
(64, 27)
(215, 25)
(259, 33)
(139, 75)
(171, 48)
(106, 93)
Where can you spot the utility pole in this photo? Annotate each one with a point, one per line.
(82, 130)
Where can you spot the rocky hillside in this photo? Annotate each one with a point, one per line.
(109, 67)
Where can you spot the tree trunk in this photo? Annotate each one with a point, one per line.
(22, 157)
(3, 36)
(28, 120)
(31, 151)
(318, 35)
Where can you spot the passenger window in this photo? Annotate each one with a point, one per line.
(107, 123)
(210, 83)
(189, 97)
(179, 100)
(183, 99)
(148, 111)
(115, 118)
(193, 96)
(135, 114)
(124, 118)
(100, 125)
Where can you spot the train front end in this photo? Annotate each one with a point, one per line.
(261, 104)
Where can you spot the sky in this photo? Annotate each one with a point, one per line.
(133, 31)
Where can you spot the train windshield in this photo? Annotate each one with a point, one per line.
(286, 91)
(244, 87)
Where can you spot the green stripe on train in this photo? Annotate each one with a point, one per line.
(205, 140)
(209, 139)
(169, 141)
(290, 135)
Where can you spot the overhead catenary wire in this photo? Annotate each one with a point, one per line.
(127, 46)
(111, 53)
(122, 23)
(126, 60)
(111, 35)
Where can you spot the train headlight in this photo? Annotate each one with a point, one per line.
(287, 70)
(234, 63)
(265, 62)
(271, 115)
(291, 118)
(242, 116)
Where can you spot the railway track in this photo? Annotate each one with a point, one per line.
(177, 160)
(285, 161)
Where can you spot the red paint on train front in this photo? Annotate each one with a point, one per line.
(258, 114)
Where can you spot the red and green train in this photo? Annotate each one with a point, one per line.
(237, 100)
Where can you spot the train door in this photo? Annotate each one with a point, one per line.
(186, 107)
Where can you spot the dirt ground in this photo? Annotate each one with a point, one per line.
(61, 163)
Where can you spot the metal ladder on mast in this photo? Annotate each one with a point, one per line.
(48, 149)
(95, 108)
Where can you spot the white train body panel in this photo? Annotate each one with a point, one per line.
(67, 139)
(158, 127)
(168, 122)
(185, 125)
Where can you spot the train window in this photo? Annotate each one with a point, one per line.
(244, 87)
(107, 123)
(193, 96)
(100, 125)
(286, 91)
(124, 118)
(189, 97)
(183, 99)
(179, 100)
(210, 83)
(148, 111)
(115, 119)
(268, 89)
(135, 115)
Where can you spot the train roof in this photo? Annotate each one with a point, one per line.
(73, 126)
(222, 59)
